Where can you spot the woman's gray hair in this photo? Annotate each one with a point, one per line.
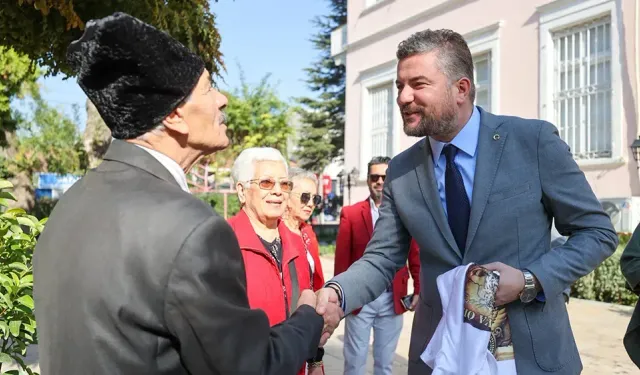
(296, 173)
(244, 166)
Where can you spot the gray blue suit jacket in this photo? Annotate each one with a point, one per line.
(525, 177)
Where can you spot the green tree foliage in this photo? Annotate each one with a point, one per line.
(48, 141)
(216, 201)
(17, 78)
(43, 29)
(257, 117)
(322, 132)
(18, 234)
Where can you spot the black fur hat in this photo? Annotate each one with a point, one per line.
(135, 74)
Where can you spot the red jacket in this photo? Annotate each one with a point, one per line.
(264, 286)
(354, 233)
(309, 236)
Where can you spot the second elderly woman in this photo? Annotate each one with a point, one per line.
(300, 205)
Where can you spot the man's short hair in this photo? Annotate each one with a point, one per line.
(376, 160)
(454, 56)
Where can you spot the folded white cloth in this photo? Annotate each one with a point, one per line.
(458, 346)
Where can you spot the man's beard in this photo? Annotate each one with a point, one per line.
(376, 195)
(430, 124)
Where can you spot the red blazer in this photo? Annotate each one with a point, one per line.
(354, 233)
(264, 286)
(309, 236)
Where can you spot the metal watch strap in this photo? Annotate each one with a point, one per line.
(528, 279)
(529, 282)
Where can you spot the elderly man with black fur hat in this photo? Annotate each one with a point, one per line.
(133, 275)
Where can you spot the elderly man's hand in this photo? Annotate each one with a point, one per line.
(327, 306)
(307, 297)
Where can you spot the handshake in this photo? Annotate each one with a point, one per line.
(325, 301)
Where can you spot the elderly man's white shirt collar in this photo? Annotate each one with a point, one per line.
(171, 166)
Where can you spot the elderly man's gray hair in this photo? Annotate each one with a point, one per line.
(244, 166)
(454, 57)
(296, 173)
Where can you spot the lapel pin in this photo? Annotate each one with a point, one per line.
(496, 137)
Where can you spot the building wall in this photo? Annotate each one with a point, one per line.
(517, 35)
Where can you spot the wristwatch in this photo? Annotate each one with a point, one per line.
(529, 291)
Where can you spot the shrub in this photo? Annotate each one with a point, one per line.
(216, 201)
(327, 249)
(18, 234)
(624, 238)
(606, 283)
(42, 207)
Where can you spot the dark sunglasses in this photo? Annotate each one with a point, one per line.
(306, 197)
(376, 177)
(270, 183)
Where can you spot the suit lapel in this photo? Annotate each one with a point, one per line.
(366, 215)
(490, 145)
(428, 187)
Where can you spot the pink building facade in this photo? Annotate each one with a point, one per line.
(571, 62)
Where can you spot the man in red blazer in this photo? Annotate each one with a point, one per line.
(385, 313)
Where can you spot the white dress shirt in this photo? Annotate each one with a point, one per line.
(307, 244)
(375, 213)
(171, 165)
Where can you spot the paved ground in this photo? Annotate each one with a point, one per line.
(598, 328)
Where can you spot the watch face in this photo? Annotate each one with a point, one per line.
(528, 295)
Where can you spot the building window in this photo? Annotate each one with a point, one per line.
(381, 101)
(369, 3)
(581, 78)
(482, 76)
(484, 45)
(582, 88)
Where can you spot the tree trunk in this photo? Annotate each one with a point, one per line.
(96, 137)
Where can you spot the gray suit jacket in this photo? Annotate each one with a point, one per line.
(525, 176)
(135, 276)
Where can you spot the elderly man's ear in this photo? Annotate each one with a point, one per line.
(175, 122)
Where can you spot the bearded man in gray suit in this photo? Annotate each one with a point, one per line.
(134, 275)
(479, 188)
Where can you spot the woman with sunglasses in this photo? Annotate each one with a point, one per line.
(276, 267)
(302, 201)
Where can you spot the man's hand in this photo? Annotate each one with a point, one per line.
(326, 295)
(307, 297)
(327, 306)
(511, 282)
(414, 302)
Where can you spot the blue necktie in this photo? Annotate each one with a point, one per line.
(458, 207)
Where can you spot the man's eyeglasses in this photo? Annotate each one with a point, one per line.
(269, 183)
(306, 197)
(376, 177)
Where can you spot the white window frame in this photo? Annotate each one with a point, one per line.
(386, 74)
(370, 3)
(481, 41)
(559, 15)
